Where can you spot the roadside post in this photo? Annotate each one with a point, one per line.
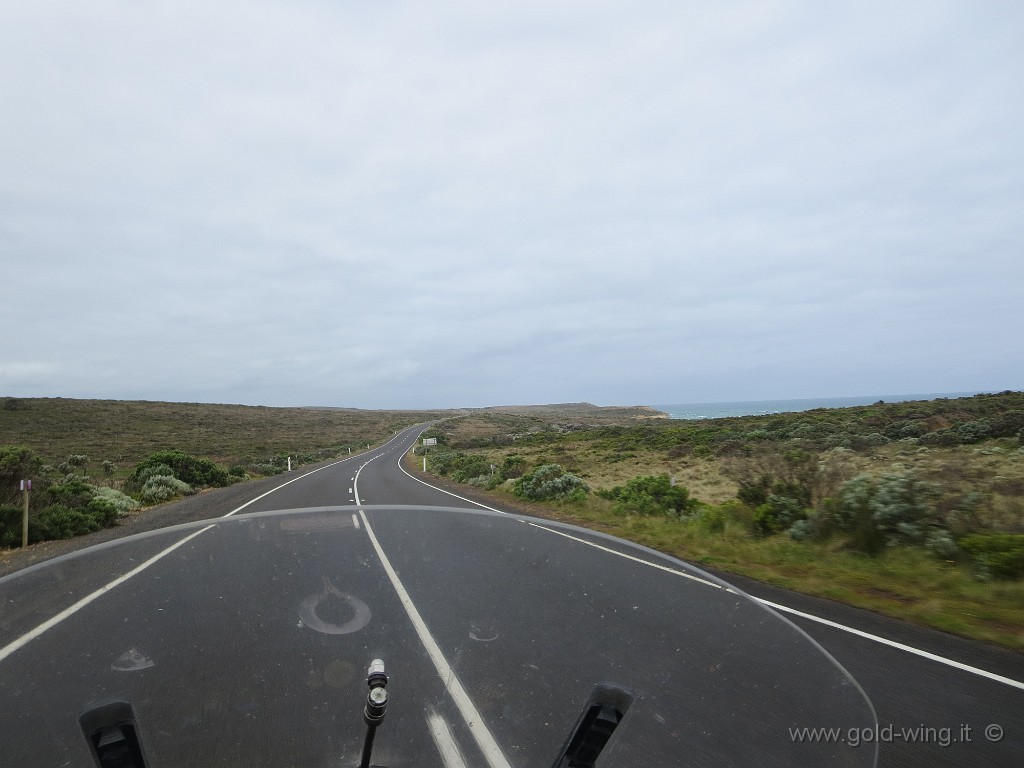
(427, 442)
(26, 486)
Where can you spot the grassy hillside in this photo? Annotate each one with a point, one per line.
(94, 462)
(125, 432)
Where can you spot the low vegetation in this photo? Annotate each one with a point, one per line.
(914, 509)
(109, 437)
(155, 452)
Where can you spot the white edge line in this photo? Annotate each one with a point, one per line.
(894, 644)
(477, 728)
(810, 617)
(630, 557)
(293, 480)
(56, 619)
(442, 490)
(445, 742)
(10, 648)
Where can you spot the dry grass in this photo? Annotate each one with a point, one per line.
(125, 432)
(904, 582)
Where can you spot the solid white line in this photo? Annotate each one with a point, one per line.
(14, 645)
(10, 648)
(894, 644)
(477, 728)
(446, 744)
(442, 490)
(810, 617)
(630, 557)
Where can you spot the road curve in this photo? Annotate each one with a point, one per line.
(929, 712)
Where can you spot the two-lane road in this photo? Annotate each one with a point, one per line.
(934, 704)
(498, 629)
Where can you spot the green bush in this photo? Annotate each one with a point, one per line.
(941, 544)
(801, 530)
(755, 492)
(471, 467)
(903, 508)
(1008, 424)
(59, 522)
(870, 440)
(897, 508)
(446, 462)
(56, 521)
(854, 514)
(73, 491)
(485, 481)
(513, 467)
(10, 525)
(711, 520)
(651, 495)
(999, 555)
(103, 511)
(193, 470)
(550, 481)
(123, 503)
(973, 431)
(941, 438)
(163, 487)
(141, 475)
(777, 514)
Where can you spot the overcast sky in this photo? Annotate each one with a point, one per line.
(443, 204)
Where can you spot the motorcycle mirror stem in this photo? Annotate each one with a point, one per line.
(376, 707)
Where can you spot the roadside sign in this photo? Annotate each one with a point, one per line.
(430, 441)
(26, 486)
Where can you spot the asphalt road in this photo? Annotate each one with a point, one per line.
(245, 644)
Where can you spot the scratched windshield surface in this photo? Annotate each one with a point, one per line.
(248, 641)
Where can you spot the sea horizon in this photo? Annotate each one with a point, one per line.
(727, 409)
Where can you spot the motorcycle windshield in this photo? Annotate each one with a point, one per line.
(245, 641)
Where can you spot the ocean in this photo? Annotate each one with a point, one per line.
(763, 407)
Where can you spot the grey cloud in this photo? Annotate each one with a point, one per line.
(403, 205)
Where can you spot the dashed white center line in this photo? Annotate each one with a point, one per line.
(446, 744)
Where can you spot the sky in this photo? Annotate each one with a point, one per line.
(460, 204)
